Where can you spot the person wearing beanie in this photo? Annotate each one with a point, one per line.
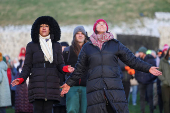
(76, 101)
(164, 66)
(5, 95)
(43, 62)
(64, 45)
(99, 56)
(146, 80)
(165, 48)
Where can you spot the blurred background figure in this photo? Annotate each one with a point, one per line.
(164, 66)
(22, 53)
(22, 104)
(8, 62)
(159, 92)
(64, 45)
(146, 80)
(14, 72)
(155, 96)
(5, 96)
(165, 49)
(134, 86)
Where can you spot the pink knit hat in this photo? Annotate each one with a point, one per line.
(165, 47)
(99, 20)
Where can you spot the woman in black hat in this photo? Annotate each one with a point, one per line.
(43, 62)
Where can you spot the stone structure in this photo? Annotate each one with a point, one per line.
(164, 36)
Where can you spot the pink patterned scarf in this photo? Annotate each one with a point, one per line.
(99, 39)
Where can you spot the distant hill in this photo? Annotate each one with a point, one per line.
(66, 12)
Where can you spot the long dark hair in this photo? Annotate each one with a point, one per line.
(167, 54)
(76, 46)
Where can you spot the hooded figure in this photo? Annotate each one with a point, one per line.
(105, 92)
(43, 61)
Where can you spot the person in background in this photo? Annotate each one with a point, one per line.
(8, 62)
(64, 45)
(165, 49)
(134, 86)
(155, 96)
(161, 54)
(22, 53)
(159, 92)
(76, 101)
(22, 104)
(145, 80)
(61, 107)
(164, 66)
(105, 92)
(14, 72)
(43, 61)
(5, 95)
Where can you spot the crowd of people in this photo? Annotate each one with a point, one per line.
(95, 74)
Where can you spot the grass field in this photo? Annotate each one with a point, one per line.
(18, 12)
(132, 109)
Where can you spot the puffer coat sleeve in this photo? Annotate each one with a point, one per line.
(80, 68)
(131, 60)
(60, 60)
(27, 63)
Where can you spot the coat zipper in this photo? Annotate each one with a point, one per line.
(45, 82)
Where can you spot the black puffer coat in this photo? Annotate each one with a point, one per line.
(43, 81)
(104, 75)
(43, 76)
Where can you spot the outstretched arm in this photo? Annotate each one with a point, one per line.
(131, 60)
(80, 68)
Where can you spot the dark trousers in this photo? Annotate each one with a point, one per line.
(13, 98)
(143, 88)
(166, 98)
(42, 106)
(159, 91)
(126, 85)
(59, 109)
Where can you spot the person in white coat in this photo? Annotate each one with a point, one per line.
(5, 96)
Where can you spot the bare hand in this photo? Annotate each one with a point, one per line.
(70, 69)
(153, 70)
(65, 89)
(15, 82)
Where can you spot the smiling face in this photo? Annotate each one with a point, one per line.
(44, 30)
(101, 27)
(80, 37)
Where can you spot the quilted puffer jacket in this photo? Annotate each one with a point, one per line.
(103, 82)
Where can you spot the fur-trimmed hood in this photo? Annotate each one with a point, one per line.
(55, 31)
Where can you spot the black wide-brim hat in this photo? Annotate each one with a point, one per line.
(55, 31)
